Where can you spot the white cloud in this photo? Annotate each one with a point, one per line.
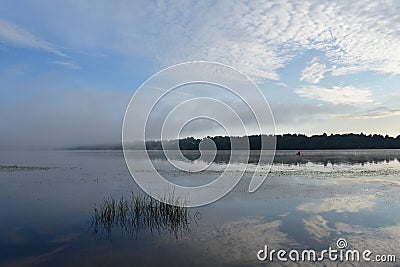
(68, 64)
(258, 38)
(12, 34)
(314, 72)
(282, 84)
(336, 94)
(261, 38)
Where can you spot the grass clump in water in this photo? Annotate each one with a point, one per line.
(140, 213)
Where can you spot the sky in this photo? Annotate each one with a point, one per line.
(69, 68)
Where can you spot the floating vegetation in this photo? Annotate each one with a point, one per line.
(141, 213)
(15, 168)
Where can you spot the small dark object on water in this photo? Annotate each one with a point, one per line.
(298, 154)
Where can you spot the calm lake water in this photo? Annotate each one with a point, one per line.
(307, 202)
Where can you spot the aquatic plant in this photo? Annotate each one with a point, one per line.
(14, 168)
(140, 213)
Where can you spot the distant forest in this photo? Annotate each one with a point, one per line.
(296, 142)
(284, 142)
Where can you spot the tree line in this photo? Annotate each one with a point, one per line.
(292, 142)
(283, 142)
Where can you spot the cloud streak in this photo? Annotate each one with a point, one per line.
(336, 94)
(314, 72)
(14, 35)
(376, 113)
(67, 64)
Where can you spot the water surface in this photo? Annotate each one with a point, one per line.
(306, 202)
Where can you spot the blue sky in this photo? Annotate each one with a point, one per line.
(69, 68)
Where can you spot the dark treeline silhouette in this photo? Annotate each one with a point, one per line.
(293, 142)
(283, 142)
